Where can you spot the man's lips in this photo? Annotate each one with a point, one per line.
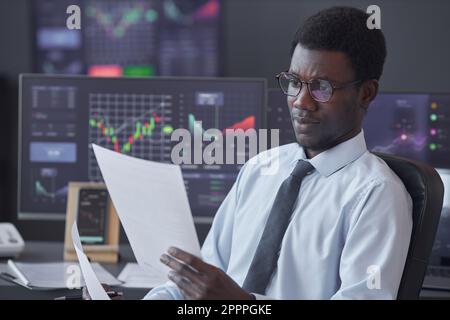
(305, 120)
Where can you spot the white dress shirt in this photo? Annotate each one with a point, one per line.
(349, 232)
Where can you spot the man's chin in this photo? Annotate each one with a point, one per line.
(307, 141)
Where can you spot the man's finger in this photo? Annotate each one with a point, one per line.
(182, 269)
(188, 288)
(189, 259)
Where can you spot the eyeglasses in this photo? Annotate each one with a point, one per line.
(320, 90)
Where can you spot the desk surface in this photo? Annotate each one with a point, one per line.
(53, 251)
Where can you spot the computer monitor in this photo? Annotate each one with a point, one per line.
(416, 126)
(129, 37)
(61, 115)
(413, 125)
(278, 116)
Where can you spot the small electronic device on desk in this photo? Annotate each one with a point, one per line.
(92, 215)
(98, 224)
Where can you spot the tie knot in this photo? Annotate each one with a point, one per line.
(302, 169)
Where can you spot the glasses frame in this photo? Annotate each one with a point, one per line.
(308, 83)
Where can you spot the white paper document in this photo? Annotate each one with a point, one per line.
(133, 276)
(93, 285)
(151, 202)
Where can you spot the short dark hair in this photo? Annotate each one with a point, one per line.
(344, 29)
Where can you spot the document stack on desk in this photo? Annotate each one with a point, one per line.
(53, 275)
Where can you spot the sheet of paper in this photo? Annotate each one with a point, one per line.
(151, 201)
(133, 276)
(93, 285)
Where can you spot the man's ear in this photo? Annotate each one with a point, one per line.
(368, 92)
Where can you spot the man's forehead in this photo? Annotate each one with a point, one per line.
(321, 63)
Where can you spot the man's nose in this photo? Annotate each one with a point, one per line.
(304, 100)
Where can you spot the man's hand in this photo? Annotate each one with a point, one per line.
(198, 280)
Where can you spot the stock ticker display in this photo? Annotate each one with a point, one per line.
(413, 125)
(61, 116)
(134, 38)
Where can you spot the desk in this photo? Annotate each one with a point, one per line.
(53, 251)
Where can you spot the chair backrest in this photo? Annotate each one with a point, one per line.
(427, 191)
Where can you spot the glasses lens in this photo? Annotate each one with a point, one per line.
(321, 90)
(289, 84)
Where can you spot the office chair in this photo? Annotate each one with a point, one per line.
(427, 191)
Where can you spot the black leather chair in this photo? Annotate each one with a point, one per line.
(427, 191)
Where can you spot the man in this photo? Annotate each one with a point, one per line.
(334, 222)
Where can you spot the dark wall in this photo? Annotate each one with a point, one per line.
(259, 33)
(257, 36)
(15, 57)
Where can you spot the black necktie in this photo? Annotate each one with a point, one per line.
(266, 256)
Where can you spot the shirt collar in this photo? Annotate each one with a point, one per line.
(331, 160)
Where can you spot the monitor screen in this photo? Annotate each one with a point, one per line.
(61, 115)
(129, 37)
(412, 125)
(278, 116)
(416, 126)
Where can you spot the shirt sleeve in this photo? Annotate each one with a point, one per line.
(377, 243)
(216, 249)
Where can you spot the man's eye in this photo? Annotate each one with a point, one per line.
(295, 83)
